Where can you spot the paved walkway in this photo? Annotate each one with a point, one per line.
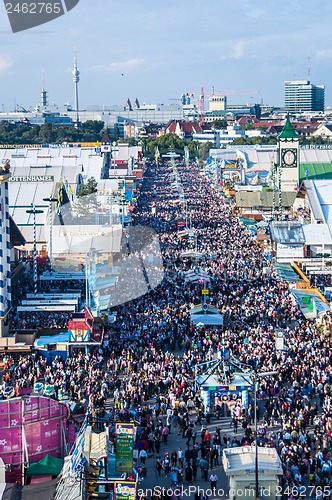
(188, 490)
(175, 441)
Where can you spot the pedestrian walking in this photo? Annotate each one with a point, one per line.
(164, 433)
(189, 474)
(143, 456)
(213, 481)
(157, 444)
(204, 466)
(195, 467)
(180, 457)
(166, 464)
(159, 465)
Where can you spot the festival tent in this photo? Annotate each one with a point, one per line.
(310, 303)
(206, 314)
(48, 466)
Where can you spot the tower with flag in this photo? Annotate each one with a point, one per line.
(288, 157)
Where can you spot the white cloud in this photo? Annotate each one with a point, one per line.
(5, 63)
(324, 54)
(235, 51)
(118, 66)
(124, 65)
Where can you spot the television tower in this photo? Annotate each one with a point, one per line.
(44, 93)
(76, 79)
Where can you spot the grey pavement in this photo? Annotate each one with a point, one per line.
(174, 442)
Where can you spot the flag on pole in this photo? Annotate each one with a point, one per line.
(157, 154)
(71, 192)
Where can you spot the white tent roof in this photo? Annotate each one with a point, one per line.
(241, 460)
(72, 240)
(45, 167)
(317, 234)
(319, 194)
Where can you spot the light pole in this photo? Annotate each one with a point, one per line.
(256, 440)
(87, 291)
(34, 211)
(253, 375)
(51, 201)
(123, 200)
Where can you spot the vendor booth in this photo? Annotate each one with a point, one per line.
(206, 314)
(215, 393)
(239, 466)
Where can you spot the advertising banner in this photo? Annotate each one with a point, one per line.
(280, 341)
(124, 447)
(36, 424)
(126, 490)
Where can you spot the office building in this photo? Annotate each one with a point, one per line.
(218, 103)
(302, 96)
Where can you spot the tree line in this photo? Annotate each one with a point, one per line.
(49, 133)
(93, 130)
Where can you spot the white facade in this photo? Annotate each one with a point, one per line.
(231, 133)
(217, 103)
(239, 466)
(151, 113)
(289, 252)
(301, 95)
(323, 130)
(208, 136)
(255, 133)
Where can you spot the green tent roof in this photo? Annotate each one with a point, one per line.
(288, 131)
(48, 466)
(260, 200)
(316, 171)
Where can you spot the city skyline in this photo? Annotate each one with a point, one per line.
(156, 52)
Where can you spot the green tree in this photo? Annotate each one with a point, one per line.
(92, 127)
(86, 205)
(89, 188)
(46, 134)
(193, 147)
(131, 141)
(203, 152)
(254, 140)
(116, 131)
(219, 124)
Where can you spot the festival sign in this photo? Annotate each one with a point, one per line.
(125, 490)
(124, 447)
(32, 178)
(280, 341)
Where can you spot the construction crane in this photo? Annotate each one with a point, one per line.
(201, 98)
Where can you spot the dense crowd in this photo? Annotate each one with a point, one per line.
(38, 319)
(151, 351)
(34, 320)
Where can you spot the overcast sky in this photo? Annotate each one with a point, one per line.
(156, 50)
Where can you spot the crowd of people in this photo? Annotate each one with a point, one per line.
(38, 320)
(151, 350)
